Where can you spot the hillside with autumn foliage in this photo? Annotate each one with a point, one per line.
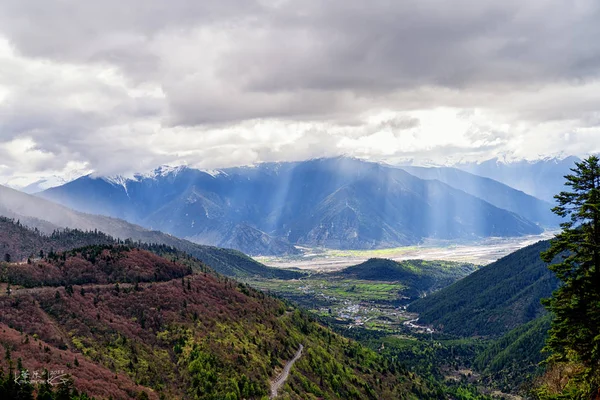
(124, 322)
(19, 243)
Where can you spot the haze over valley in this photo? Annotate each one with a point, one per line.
(338, 203)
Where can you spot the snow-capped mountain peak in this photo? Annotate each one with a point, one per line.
(214, 172)
(162, 171)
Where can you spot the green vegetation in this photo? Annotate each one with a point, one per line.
(375, 253)
(236, 264)
(350, 302)
(494, 299)
(151, 321)
(370, 294)
(574, 336)
(513, 360)
(126, 322)
(446, 365)
(20, 244)
(418, 275)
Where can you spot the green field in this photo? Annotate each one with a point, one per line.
(371, 295)
(351, 302)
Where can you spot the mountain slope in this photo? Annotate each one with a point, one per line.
(494, 299)
(515, 358)
(338, 203)
(20, 243)
(420, 276)
(184, 202)
(542, 179)
(494, 192)
(172, 333)
(48, 216)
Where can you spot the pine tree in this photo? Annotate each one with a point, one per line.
(65, 389)
(45, 391)
(575, 332)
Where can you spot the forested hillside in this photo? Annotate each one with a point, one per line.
(17, 243)
(20, 243)
(493, 300)
(124, 321)
(419, 275)
(514, 359)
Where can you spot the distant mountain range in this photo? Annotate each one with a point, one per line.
(336, 203)
(46, 216)
(542, 178)
(492, 191)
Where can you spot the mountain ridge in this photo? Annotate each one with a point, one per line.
(338, 203)
(136, 325)
(35, 212)
(492, 191)
(494, 299)
(540, 178)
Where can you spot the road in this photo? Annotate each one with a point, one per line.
(278, 383)
(411, 324)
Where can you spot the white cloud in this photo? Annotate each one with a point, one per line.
(118, 88)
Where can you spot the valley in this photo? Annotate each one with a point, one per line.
(481, 252)
(346, 302)
(434, 318)
(299, 200)
(372, 295)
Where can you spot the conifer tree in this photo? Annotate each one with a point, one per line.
(575, 253)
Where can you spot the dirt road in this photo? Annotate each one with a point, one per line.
(278, 383)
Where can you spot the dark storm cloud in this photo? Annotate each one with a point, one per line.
(308, 58)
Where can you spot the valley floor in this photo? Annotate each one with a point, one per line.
(481, 252)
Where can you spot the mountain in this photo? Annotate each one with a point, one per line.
(515, 358)
(44, 184)
(542, 178)
(125, 323)
(47, 216)
(336, 203)
(494, 299)
(18, 243)
(185, 202)
(494, 192)
(418, 275)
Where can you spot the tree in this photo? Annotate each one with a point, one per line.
(45, 391)
(65, 389)
(574, 335)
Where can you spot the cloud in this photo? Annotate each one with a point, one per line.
(118, 87)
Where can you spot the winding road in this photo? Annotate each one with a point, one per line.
(278, 383)
(411, 324)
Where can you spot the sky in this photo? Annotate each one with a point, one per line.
(117, 87)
